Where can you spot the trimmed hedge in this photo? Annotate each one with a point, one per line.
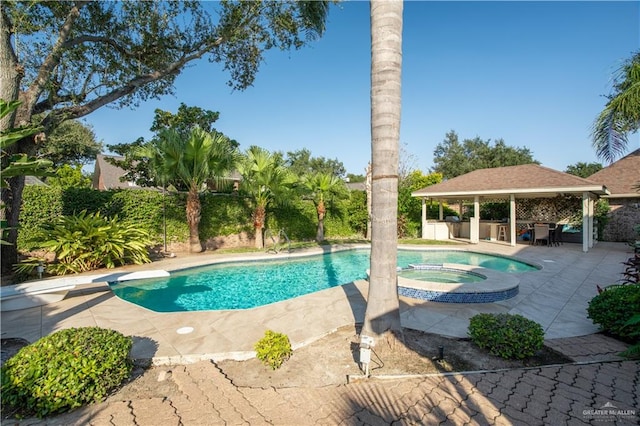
(222, 214)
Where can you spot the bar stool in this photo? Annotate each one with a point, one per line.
(502, 233)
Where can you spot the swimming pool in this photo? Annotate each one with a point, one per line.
(243, 285)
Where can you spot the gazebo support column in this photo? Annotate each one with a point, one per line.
(424, 218)
(513, 238)
(587, 221)
(475, 221)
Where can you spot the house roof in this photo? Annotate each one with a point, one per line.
(621, 177)
(525, 181)
(107, 176)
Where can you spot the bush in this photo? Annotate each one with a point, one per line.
(273, 349)
(65, 370)
(505, 335)
(89, 241)
(614, 307)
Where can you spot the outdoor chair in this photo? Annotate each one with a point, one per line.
(557, 234)
(540, 233)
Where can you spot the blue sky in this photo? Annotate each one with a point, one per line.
(531, 73)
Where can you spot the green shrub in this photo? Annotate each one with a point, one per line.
(273, 349)
(89, 241)
(506, 335)
(614, 307)
(65, 370)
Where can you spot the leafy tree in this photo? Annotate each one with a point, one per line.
(318, 187)
(264, 180)
(355, 178)
(301, 163)
(382, 315)
(192, 160)
(64, 60)
(452, 158)
(139, 169)
(67, 176)
(410, 208)
(72, 142)
(584, 170)
(621, 114)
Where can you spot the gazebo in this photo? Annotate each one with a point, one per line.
(513, 183)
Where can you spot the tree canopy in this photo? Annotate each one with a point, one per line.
(584, 170)
(452, 158)
(64, 60)
(301, 163)
(71, 143)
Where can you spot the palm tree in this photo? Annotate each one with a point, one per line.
(382, 316)
(190, 160)
(263, 180)
(621, 114)
(318, 186)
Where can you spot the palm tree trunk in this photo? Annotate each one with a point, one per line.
(321, 212)
(258, 223)
(193, 220)
(382, 316)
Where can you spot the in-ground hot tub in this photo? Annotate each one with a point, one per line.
(453, 283)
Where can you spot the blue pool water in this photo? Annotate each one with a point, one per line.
(242, 285)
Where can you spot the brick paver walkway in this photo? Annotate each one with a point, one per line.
(599, 389)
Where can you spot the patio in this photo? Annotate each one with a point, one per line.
(556, 297)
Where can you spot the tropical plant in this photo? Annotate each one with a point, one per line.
(16, 164)
(190, 159)
(65, 60)
(89, 241)
(621, 114)
(382, 315)
(264, 180)
(318, 186)
(633, 351)
(65, 370)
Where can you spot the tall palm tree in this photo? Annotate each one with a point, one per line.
(190, 161)
(382, 316)
(621, 114)
(263, 180)
(319, 185)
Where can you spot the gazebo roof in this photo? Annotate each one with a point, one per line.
(524, 181)
(621, 177)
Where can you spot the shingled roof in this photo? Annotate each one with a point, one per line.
(621, 177)
(107, 176)
(527, 180)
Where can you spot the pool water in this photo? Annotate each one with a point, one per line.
(441, 275)
(243, 285)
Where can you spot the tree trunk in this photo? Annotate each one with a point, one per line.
(382, 316)
(193, 220)
(258, 222)
(367, 186)
(321, 212)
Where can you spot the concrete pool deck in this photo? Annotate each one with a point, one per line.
(555, 296)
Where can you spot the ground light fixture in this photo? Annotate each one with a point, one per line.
(366, 343)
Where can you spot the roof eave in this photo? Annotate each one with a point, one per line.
(597, 190)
